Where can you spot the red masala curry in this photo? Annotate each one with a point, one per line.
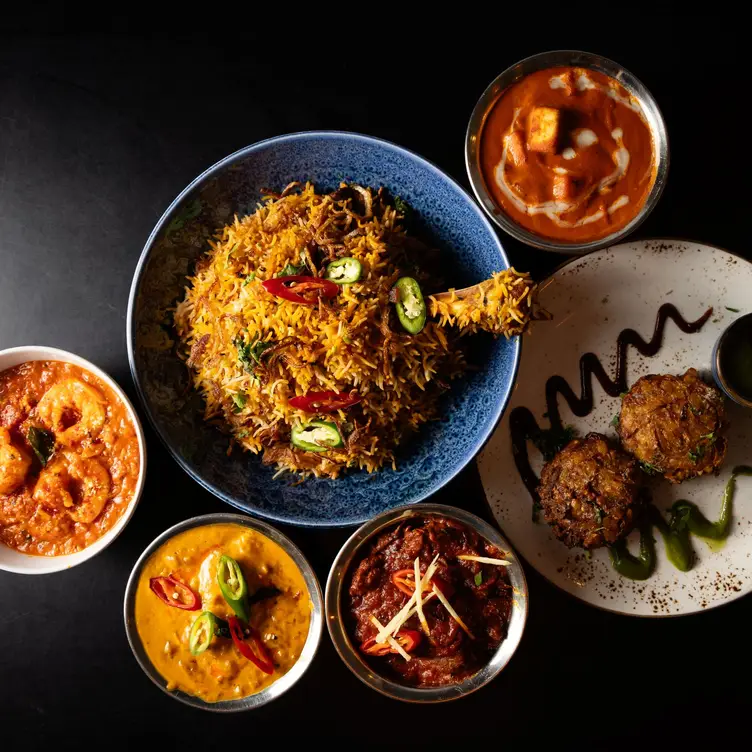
(466, 602)
(567, 154)
(69, 458)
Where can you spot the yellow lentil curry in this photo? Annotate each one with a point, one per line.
(279, 609)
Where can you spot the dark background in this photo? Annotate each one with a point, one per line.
(99, 132)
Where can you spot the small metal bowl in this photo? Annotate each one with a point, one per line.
(553, 59)
(715, 362)
(336, 587)
(279, 687)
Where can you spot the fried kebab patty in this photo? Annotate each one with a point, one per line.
(591, 492)
(673, 425)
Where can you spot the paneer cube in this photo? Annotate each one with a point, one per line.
(563, 188)
(543, 130)
(516, 149)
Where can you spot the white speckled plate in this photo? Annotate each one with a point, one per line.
(592, 299)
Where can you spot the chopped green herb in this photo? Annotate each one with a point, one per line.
(588, 555)
(291, 271)
(598, 513)
(42, 442)
(650, 469)
(240, 400)
(694, 410)
(249, 279)
(733, 310)
(623, 395)
(403, 207)
(191, 211)
(347, 340)
(615, 420)
(550, 441)
(244, 434)
(249, 354)
(698, 453)
(479, 579)
(709, 436)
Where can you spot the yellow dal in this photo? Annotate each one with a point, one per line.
(221, 673)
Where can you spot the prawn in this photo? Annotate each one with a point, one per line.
(73, 410)
(78, 485)
(14, 463)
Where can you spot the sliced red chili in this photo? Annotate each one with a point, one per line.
(298, 288)
(325, 402)
(250, 645)
(175, 593)
(408, 640)
(404, 580)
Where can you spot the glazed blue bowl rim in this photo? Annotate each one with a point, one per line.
(217, 167)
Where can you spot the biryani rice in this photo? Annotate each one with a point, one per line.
(345, 344)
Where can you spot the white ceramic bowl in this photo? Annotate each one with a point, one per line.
(15, 561)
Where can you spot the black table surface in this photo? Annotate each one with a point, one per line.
(97, 134)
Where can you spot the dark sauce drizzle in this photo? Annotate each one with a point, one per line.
(522, 423)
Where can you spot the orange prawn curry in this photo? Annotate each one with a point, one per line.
(69, 458)
(567, 154)
(222, 612)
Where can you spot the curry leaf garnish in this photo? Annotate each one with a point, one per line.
(291, 271)
(42, 442)
(479, 579)
(264, 592)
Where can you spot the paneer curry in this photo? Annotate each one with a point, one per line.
(222, 612)
(69, 458)
(568, 154)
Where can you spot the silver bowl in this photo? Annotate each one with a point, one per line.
(716, 365)
(337, 583)
(550, 60)
(282, 684)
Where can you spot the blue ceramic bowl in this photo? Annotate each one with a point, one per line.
(447, 218)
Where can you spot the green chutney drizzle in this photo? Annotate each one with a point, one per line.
(684, 518)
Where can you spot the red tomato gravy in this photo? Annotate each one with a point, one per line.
(567, 154)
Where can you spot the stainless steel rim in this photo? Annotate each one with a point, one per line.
(718, 374)
(549, 60)
(350, 654)
(279, 687)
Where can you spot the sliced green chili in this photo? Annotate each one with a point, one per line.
(344, 271)
(202, 632)
(233, 586)
(316, 436)
(411, 308)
